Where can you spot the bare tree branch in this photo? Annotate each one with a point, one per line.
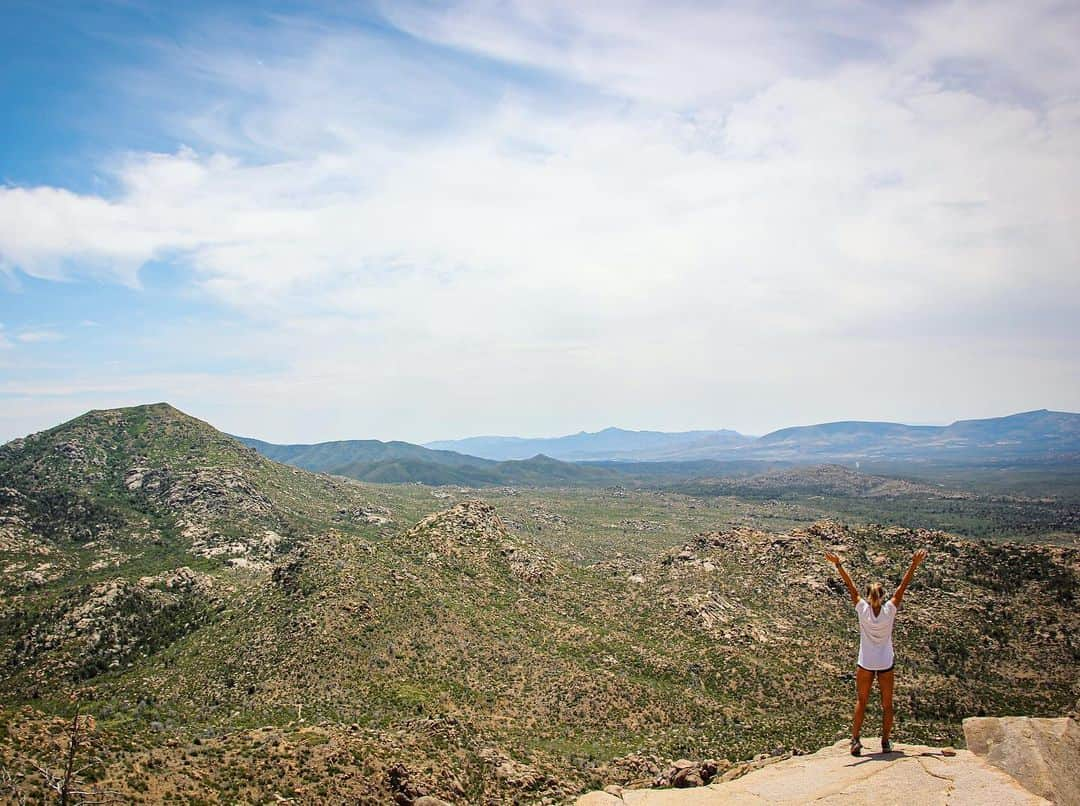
(68, 783)
(9, 785)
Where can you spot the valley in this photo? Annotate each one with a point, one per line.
(243, 630)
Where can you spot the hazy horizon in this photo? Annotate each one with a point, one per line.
(529, 436)
(405, 221)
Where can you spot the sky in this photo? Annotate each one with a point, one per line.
(413, 220)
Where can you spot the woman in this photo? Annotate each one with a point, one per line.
(876, 618)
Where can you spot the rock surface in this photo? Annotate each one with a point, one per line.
(1042, 754)
(910, 775)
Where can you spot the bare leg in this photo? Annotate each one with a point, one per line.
(885, 683)
(863, 681)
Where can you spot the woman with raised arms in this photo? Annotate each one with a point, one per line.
(876, 659)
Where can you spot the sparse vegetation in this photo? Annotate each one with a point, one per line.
(262, 631)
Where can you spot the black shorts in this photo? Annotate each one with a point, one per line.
(876, 672)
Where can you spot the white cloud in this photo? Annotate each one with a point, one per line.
(39, 336)
(717, 190)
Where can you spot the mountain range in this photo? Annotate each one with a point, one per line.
(403, 462)
(615, 456)
(610, 444)
(1041, 434)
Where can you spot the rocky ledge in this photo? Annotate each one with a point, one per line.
(1042, 754)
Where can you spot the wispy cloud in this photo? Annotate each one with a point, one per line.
(39, 336)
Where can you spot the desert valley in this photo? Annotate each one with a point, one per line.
(236, 629)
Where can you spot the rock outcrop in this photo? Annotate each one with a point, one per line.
(377, 516)
(1042, 754)
(911, 774)
(468, 526)
(101, 626)
(472, 531)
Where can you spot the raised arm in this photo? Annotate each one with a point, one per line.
(851, 589)
(916, 561)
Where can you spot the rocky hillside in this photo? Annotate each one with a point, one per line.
(239, 630)
(146, 477)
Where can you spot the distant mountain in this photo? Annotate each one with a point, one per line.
(614, 455)
(325, 457)
(403, 462)
(1042, 434)
(611, 444)
(1030, 436)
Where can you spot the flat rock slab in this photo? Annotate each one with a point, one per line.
(912, 775)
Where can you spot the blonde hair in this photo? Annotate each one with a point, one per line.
(875, 593)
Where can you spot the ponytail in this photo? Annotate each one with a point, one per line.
(875, 593)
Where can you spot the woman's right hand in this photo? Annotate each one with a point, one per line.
(833, 558)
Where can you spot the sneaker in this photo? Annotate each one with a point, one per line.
(856, 746)
(886, 746)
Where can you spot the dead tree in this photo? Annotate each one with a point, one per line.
(10, 787)
(68, 781)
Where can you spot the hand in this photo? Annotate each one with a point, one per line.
(918, 557)
(834, 559)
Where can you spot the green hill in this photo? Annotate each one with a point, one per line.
(325, 457)
(403, 462)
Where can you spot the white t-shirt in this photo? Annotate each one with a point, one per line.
(875, 635)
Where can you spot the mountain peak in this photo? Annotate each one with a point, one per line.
(159, 409)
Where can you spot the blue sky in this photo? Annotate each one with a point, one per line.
(308, 221)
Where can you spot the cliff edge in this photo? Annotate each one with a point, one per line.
(910, 775)
(1042, 754)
